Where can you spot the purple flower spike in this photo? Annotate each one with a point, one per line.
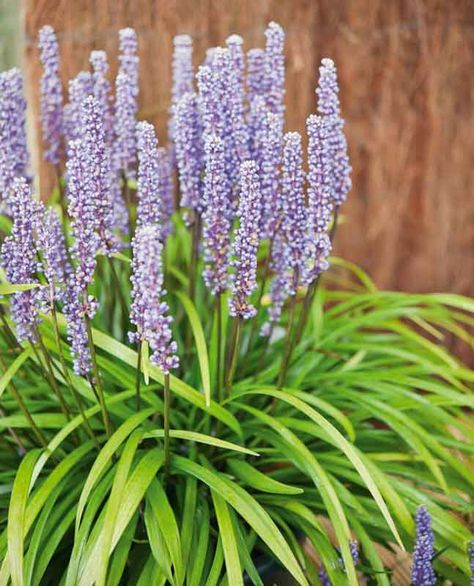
(19, 258)
(189, 152)
(165, 166)
(51, 95)
(126, 105)
(471, 560)
(354, 547)
(239, 132)
(78, 89)
(255, 73)
(257, 128)
(148, 311)
(320, 197)
(246, 242)
(271, 158)
(51, 243)
(275, 69)
(148, 187)
(14, 151)
(217, 223)
(182, 67)
(328, 106)
(293, 206)
(422, 573)
(102, 91)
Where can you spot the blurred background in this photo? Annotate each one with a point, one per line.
(406, 74)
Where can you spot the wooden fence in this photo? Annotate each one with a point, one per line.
(405, 69)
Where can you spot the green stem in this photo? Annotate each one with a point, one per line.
(9, 334)
(95, 382)
(128, 201)
(118, 285)
(166, 422)
(219, 389)
(51, 378)
(67, 378)
(233, 353)
(289, 335)
(139, 375)
(194, 257)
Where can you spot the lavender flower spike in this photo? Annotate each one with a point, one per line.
(471, 560)
(14, 151)
(216, 219)
(148, 187)
(246, 242)
(51, 95)
(294, 211)
(320, 197)
(51, 243)
(78, 89)
(271, 150)
(165, 166)
(19, 258)
(189, 152)
(102, 91)
(126, 105)
(149, 312)
(237, 97)
(275, 69)
(422, 573)
(255, 73)
(328, 106)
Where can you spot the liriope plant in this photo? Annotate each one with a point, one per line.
(188, 394)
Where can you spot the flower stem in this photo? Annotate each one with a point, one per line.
(233, 354)
(218, 317)
(67, 378)
(95, 382)
(166, 422)
(139, 375)
(194, 257)
(289, 335)
(118, 285)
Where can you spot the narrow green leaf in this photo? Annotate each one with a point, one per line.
(229, 540)
(201, 438)
(200, 341)
(13, 368)
(16, 516)
(9, 288)
(256, 479)
(200, 545)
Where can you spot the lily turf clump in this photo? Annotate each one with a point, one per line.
(181, 394)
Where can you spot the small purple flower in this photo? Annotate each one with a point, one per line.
(257, 128)
(216, 218)
(354, 547)
(165, 166)
(293, 205)
(78, 89)
(189, 152)
(103, 92)
(14, 151)
(149, 311)
(422, 573)
(275, 69)
(126, 105)
(271, 150)
(19, 258)
(148, 186)
(51, 95)
(51, 244)
(328, 106)
(245, 246)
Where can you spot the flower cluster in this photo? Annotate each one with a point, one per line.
(19, 258)
(148, 185)
(149, 313)
(246, 242)
(101, 88)
(51, 95)
(422, 573)
(14, 151)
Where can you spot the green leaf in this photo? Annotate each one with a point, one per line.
(16, 516)
(13, 368)
(201, 438)
(249, 509)
(168, 527)
(200, 545)
(114, 503)
(340, 441)
(200, 341)
(105, 456)
(256, 479)
(9, 288)
(229, 540)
